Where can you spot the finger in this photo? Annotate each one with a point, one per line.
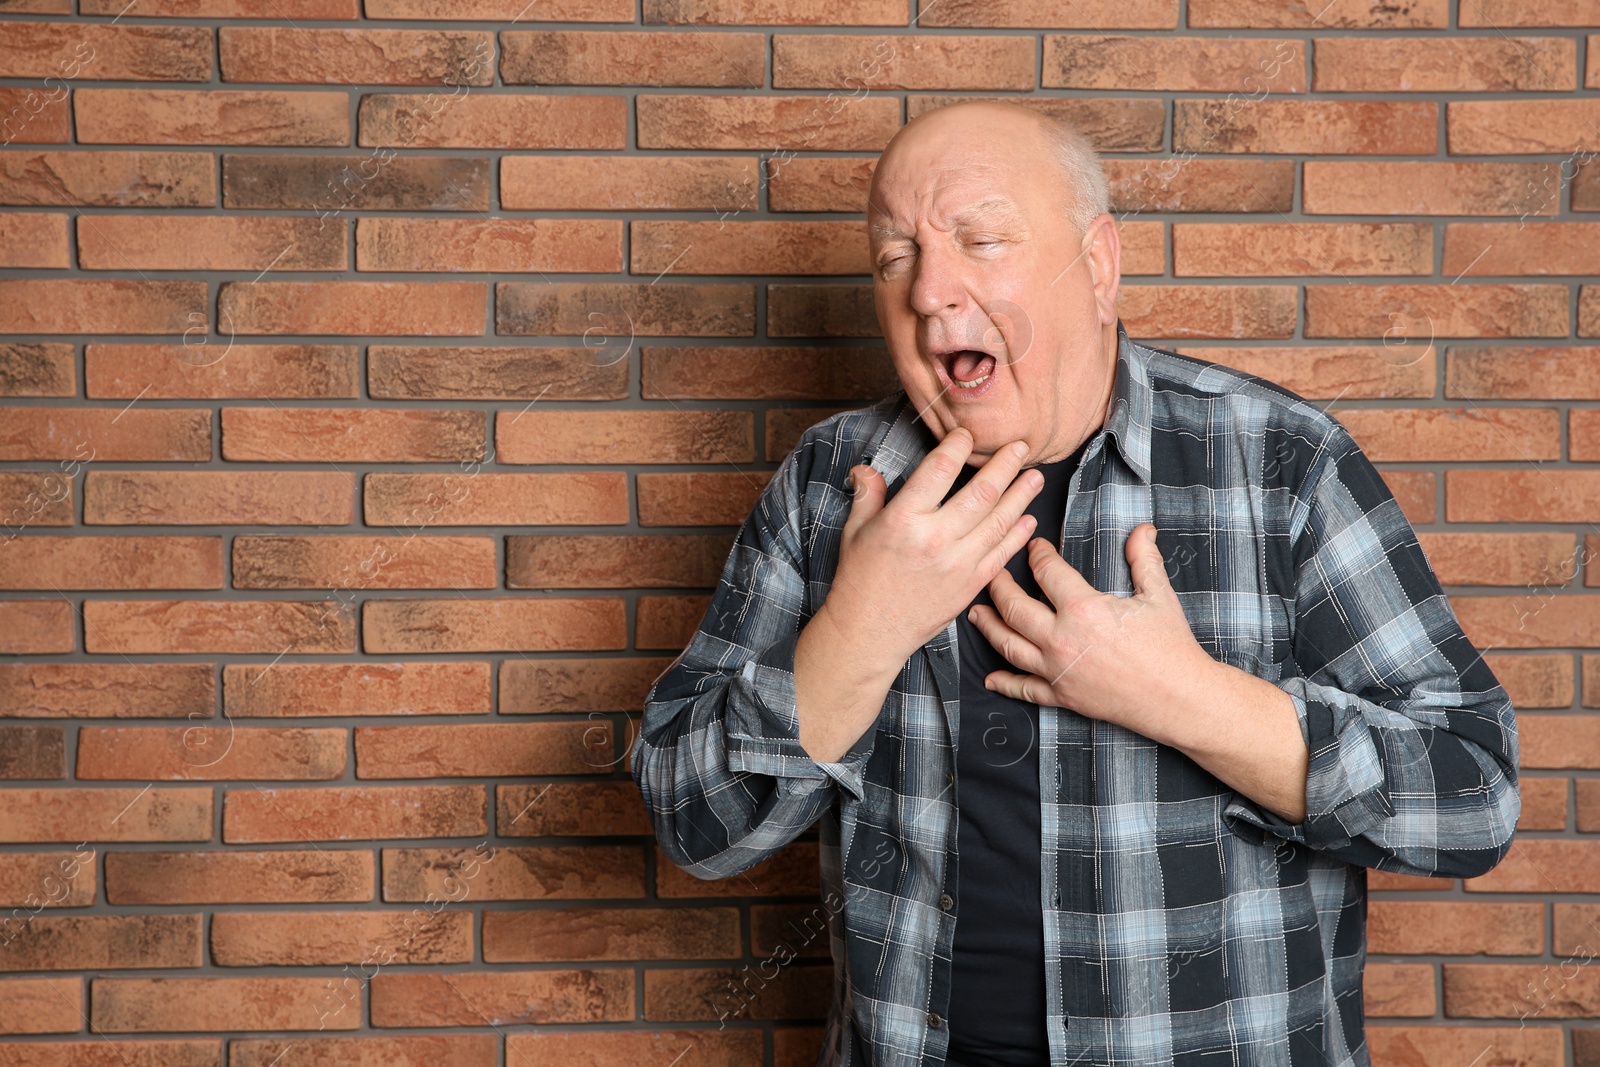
(869, 490)
(1017, 536)
(1145, 564)
(1017, 649)
(1020, 611)
(928, 484)
(1027, 687)
(996, 484)
(1058, 579)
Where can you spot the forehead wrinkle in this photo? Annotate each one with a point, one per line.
(995, 208)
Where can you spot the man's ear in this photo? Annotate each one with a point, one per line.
(1102, 247)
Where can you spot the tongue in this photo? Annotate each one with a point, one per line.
(969, 366)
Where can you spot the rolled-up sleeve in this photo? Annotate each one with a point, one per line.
(718, 758)
(1412, 741)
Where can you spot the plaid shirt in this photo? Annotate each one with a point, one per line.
(1186, 924)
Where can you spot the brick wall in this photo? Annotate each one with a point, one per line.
(383, 387)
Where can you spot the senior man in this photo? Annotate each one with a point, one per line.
(1106, 795)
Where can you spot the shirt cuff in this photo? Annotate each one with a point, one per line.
(763, 728)
(1346, 788)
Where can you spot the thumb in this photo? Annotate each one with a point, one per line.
(869, 490)
(1148, 569)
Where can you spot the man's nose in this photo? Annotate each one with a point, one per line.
(936, 284)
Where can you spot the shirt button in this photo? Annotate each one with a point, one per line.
(934, 1020)
(946, 901)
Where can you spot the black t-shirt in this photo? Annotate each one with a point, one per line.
(997, 990)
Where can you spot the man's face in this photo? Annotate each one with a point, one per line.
(995, 311)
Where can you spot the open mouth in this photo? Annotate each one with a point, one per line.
(967, 368)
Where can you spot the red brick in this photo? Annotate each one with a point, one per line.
(246, 9)
(515, 624)
(703, 498)
(1430, 311)
(1415, 492)
(608, 314)
(108, 178)
(545, 872)
(328, 938)
(41, 1005)
(799, 373)
(823, 183)
(258, 1003)
(356, 56)
(35, 239)
(592, 684)
(497, 245)
(277, 690)
(427, 309)
(91, 305)
(502, 10)
(428, 372)
(1331, 127)
(785, 425)
(209, 243)
(104, 690)
(206, 498)
(209, 371)
(1576, 931)
(646, 183)
(571, 809)
(475, 750)
(682, 436)
(376, 180)
(1563, 741)
(83, 435)
(593, 1048)
(278, 876)
(352, 435)
(622, 57)
(1420, 187)
(1519, 496)
(1334, 371)
(1232, 249)
(147, 813)
(117, 562)
(749, 247)
(1539, 620)
(350, 563)
(1182, 311)
(1399, 989)
(1422, 14)
(211, 116)
(1452, 1046)
(1517, 991)
(352, 813)
(32, 752)
(1417, 435)
(583, 934)
(1136, 124)
(273, 627)
(510, 120)
(1543, 866)
(795, 991)
(59, 51)
(210, 753)
(1523, 373)
(1182, 64)
(1502, 14)
(556, 498)
(1444, 65)
(1503, 248)
(809, 123)
(403, 1050)
(923, 61)
(34, 117)
(45, 880)
(45, 368)
(503, 997)
(821, 311)
(1544, 803)
(1415, 927)
(1194, 184)
(1535, 681)
(95, 942)
(1493, 127)
(1583, 437)
(615, 561)
(1534, 559)
(668, 621)
(770, 13)
(1081, 14)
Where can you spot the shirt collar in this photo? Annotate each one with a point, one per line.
(906, 439)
